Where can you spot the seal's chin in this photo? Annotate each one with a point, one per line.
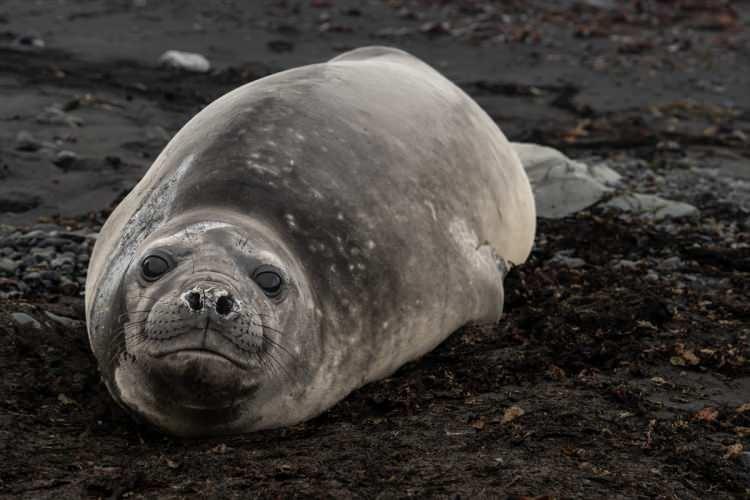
(199, 379)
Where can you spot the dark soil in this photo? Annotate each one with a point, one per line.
(628, 376)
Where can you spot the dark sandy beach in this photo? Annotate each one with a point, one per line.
(624, 373)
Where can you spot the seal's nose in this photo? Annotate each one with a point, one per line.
(194, 300)
(224, 305)
(212, 300)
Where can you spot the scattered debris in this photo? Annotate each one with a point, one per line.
(511, 414)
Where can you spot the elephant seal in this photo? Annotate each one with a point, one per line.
(301, 236)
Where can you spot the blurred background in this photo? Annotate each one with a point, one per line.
(86, 104)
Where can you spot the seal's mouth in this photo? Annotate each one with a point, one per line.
(199, 379)
(207, 355)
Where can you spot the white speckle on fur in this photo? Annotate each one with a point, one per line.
(466, 239)
(202, 227)
(150, 216)
(261, 168)
(432, 209)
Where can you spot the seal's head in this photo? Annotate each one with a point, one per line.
(214, 316)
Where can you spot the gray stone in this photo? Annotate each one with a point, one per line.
(26, 142)
(563, 186)
(24, 320)
(65, 159)
(564, 258)
(47, 253)
(626, 264)
(68, 287)
(62, 261)
(651, 206)
(37, 233)
(671, 264)
(9, 266)
(186, 61)
(29, 41)
(64, 321)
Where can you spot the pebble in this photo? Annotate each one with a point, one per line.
(651, 206)
(8, 266)
(564, 258)
(26, 142)
(64, 321)
(187, 61)
(65, 159)
(24, 320)
(563, 186)
(671, 263)
(63, 261)
(43, 259)
(630, 265)
(29, 40)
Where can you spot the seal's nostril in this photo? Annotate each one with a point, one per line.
(224, 305)
(195, 301)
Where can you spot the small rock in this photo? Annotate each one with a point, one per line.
(26, 142)
(626, 264)
(564, 258)
(651, 206)
(8, 266)
(68, 287)
(63, 261)
(64, 321)
(563, 186)
(30, 41)
(187, 61)
(65, 159)
(24, 320)
(45, 252)
(671, 264)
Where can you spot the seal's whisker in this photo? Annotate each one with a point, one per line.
(280, 346)
(281, 368)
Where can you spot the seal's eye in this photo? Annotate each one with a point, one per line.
(154, 266)
(269, 280)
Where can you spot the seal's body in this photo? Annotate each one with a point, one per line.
(301, 236)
